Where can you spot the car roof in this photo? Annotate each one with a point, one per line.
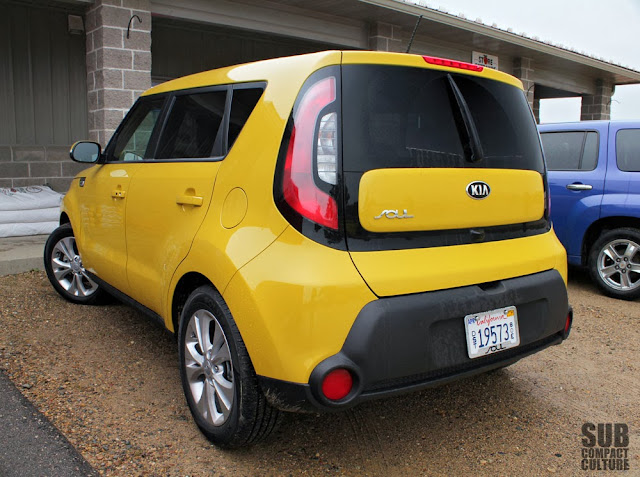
(289, 68)
(587, 125)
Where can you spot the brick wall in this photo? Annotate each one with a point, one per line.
(523, 70)
(536, 109)
(118, 71)
(597, 106)
(118, 68)
(37, 165)
(385, 37)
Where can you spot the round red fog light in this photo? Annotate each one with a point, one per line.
(337, 384)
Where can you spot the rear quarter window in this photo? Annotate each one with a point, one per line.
(242, 104)
(628, 150)
(571, 150)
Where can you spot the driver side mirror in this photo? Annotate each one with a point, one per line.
(86, 152)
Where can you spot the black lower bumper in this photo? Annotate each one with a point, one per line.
(406, 343)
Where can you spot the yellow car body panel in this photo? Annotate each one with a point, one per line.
(399, 272)
(218, 251)
(71, 207)
(293, 319)
(293, 69)
(437, 199)
(101, 235)
(167, 203)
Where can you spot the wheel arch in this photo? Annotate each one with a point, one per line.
(602, 225)
(64, 219)
(187, 283)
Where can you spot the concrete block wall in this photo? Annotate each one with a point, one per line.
(22, 166)
(523, 70)
(385, 37)
(118, 68)
(597, 106)
(536, 109)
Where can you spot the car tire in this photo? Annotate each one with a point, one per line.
(614, 263)
(65, 271)
(218, 379)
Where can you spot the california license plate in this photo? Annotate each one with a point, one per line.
(491, 331)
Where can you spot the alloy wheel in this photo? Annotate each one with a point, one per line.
(68, 270)
(209, 368)
(619, 264)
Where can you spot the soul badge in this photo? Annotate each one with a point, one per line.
(394, 214)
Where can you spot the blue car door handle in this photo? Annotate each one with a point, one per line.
(577, 186)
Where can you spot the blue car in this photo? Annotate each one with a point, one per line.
(594, 182)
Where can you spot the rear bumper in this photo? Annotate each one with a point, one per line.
(405, 343)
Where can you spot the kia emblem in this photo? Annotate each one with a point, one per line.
(478, 190)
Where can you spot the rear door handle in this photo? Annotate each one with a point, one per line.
(118, 194)
(579, 186)
(189, 200)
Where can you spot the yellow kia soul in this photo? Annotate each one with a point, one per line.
(321, 230)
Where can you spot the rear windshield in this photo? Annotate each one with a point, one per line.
(399, 117)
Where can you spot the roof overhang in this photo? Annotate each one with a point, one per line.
(513, 44)
(345, 24)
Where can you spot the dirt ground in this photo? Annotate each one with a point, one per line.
(107, 377)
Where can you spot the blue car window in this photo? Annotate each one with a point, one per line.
(628, 150)
(563, 150)
(590, 154)
(570, 150)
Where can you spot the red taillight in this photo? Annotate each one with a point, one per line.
(568, 324)
(298, 185)
(337, 384)
(452, 63)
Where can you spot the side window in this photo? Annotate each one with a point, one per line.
(628, 150)
(590, 155)
(132, 141)
(193, 127)
(570, 151)
(242, 104)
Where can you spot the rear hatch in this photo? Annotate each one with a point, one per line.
(443, 175)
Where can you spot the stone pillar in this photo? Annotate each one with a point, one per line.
(385, 37)
(597, 106)
(536, 109)
(118, 68)
(523, 70)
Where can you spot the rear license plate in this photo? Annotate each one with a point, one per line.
(491, 331)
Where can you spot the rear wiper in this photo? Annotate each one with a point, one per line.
(472, 147)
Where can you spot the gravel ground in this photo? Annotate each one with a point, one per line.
(107, 377)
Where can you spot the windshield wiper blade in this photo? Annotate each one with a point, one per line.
(472, 147)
